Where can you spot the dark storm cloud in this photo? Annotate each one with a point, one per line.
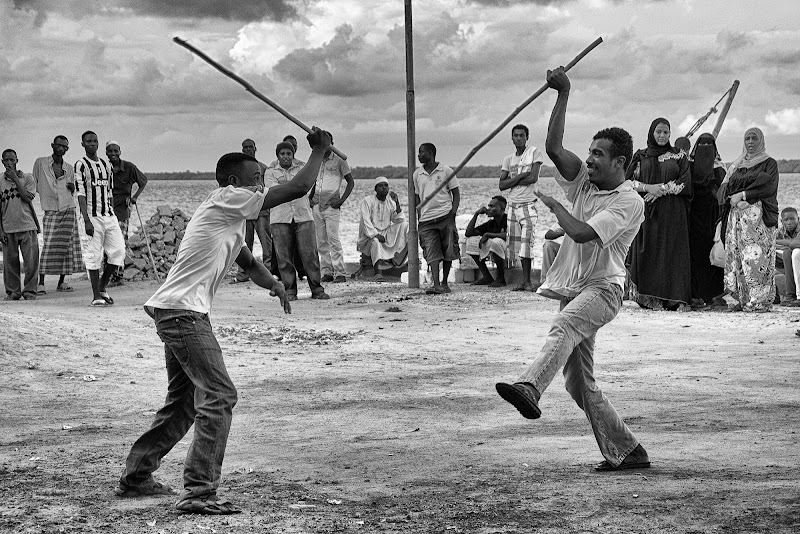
(236, 10)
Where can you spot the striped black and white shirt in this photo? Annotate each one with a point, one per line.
(95, 181)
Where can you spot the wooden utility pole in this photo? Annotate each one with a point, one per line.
(413, 240)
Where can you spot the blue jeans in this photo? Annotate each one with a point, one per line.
(298, 236)
(199, 392)
(570, 344)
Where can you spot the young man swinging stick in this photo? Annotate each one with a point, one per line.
(199, 391)
(587, 277)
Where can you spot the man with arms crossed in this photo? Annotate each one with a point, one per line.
(518, 178)
(199, 390)
(587, 276)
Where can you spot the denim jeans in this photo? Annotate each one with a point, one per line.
(27, 244)
(570, 343)
(199, 392)
(296, 236)
(326, 223)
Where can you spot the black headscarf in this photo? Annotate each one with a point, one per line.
(702, 160)
(653, 148)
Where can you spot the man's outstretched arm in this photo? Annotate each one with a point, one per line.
(304, 180)
(567, 163)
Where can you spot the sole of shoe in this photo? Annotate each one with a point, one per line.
(519, 400)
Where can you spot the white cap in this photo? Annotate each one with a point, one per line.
(381, 180)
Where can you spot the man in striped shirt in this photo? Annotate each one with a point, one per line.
(94, 181)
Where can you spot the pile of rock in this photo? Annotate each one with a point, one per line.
(165, 230)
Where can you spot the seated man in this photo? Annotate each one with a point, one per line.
(787, 257)
(552, 242)
(382, 230)
(489, 239)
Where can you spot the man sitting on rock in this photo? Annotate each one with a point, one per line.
(489, 239)
(382, 230)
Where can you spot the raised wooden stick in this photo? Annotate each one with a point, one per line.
(508, 119)
(241, 81)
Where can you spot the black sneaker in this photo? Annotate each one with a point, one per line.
(521, 397)
(327, 278)
(339, 279)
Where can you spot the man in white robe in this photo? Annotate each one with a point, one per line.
(383, 231)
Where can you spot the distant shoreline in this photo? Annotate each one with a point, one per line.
(785, 166)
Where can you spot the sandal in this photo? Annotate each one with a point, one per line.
(100, 303)
(64, 288)
(107, 297)
(40, 290)
(208, 504)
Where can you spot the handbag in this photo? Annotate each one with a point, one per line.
(717, 255)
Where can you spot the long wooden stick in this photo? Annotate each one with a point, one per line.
(249, 88)
(508, 119)
(147, 242)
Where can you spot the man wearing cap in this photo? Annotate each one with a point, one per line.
(126, 174)
(94, 183)
(382, 230)
(292, 226)
(326, 201)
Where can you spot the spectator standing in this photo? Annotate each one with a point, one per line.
(518, 177)
(326, 202)
(126, 174)
(61, 248)
(18, 229)
(749, 198)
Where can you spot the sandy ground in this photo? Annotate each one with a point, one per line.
(355, 418)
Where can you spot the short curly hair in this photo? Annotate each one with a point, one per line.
(621, 143)
(229, 164)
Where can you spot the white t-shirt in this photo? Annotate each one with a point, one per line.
(515, 165)
(212, 242)
(425, 184)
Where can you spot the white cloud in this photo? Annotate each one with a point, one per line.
(785, 121)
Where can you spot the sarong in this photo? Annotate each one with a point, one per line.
(61, 250)
(749, 253)
(494, 244)
(521, 230)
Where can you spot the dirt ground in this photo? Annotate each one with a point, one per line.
(375, 411)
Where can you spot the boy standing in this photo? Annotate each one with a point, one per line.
(200, 392)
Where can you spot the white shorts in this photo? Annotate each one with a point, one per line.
(107, 238)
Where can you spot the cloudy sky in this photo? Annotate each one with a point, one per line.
(111, 66)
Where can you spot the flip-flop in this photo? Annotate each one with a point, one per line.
(100, 303)
(209, 505)
(41, 291)
(605, 466)
(235, 281)
(64, 288)
(433, 291)
(107, 297)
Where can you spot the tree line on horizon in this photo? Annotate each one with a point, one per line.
(394, 172)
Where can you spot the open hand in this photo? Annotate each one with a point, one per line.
(547, 200)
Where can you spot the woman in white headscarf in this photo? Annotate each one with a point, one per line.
(749, 199)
